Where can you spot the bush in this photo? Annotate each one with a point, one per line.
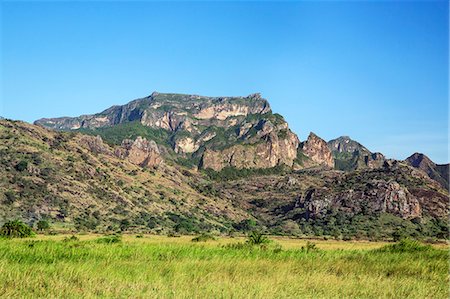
(43, 225)
(310, 247)
(203, 238)
(245, 225)
(257, 238)
(72, 238)
(173, 235)
(139, 236)
(406, 245)
(10, 197)
(112, 239)
(22, 165)
(16, 229)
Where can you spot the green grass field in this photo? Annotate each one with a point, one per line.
(162, 267)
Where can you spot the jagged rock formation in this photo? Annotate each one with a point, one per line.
(350, 155)
(317, 150)
(439, 173)
(241, 132)
(140, 152)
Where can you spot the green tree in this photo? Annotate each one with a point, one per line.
(22, 165)
(43, 225)
(16, 229)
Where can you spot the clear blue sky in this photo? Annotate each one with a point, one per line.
(376, 71)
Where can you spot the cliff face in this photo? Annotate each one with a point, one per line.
(166, 111)
(317, 150)
(219, 131)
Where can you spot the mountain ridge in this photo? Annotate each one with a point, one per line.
(190, 163)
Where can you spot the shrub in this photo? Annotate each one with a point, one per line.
(72, 238)
(43, 225)
(257, 238)
(406, 245)
(10, 197)
(310, 247)
(245, 225)
(203, 238)
(16, 229)
(173, 235)
(22, 165)
(111, 239)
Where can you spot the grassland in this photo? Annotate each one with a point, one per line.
(162, 267)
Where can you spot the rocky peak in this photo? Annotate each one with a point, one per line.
(317, 150)
(220, 131)
(345, 144)
(419, 160)
(437, 172)
(350, 154)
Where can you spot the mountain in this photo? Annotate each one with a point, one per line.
(349, 154)
(210, 132)
(439, 173)
(185, 163)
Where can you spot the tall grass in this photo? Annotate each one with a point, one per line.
(49, 268)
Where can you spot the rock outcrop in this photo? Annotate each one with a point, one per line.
(95, 144)
(350, 155)
(437, 172)
(317, 150)
(140, 152)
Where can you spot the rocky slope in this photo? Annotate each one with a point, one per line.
(79, 181)
(216, 132)
(350, 155)
(370, 203)
(187, 163)
(439, 173)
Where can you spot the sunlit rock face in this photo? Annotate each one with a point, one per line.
(219, 131)
(317, 150)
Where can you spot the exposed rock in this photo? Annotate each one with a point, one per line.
(185, 145)
(94, 144)
(345, 144)
(317, 150)
(271, 151)
(140, 152)
(382, 197)
(218, 126)
(439, 173)
(351, 155)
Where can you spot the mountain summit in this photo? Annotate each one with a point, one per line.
(213, 132)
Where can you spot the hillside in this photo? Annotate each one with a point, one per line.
(81, 182)
(184, 164)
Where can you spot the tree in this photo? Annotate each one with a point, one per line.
(22, 165)
(43, 225)
(16, 229)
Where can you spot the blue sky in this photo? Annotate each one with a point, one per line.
(376, 71)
